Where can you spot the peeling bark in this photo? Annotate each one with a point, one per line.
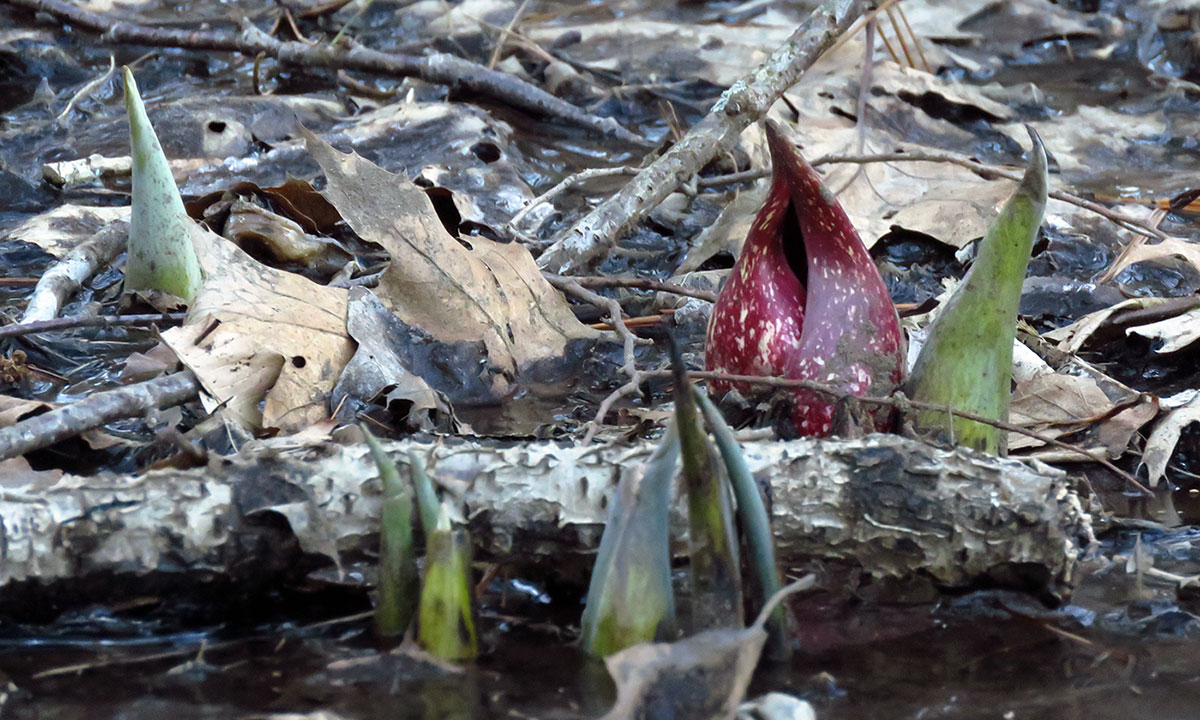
(891, 505)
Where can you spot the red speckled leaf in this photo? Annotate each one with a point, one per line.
(825, 316)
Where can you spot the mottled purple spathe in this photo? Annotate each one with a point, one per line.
(840, 330)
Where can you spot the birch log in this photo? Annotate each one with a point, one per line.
(891, 505)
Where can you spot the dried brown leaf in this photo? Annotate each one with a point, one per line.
(255, 333)
(458, 290)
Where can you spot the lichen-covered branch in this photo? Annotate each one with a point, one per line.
(891, 505)
(743, 103)
(93, 411)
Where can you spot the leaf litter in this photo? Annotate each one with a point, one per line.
(924, 198)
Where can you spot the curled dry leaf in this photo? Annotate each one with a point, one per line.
(1160, 446)
(1141, 252)
(1057, 405)
(1174, 333)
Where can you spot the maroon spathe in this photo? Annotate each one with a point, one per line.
(840, 330)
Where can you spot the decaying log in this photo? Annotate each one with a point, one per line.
(891, 505)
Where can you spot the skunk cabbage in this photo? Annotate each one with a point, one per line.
(161, 256)
(966, 362)
(398, 585)
(805, 301)
(630, 599)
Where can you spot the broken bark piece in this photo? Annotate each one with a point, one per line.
(893, 506)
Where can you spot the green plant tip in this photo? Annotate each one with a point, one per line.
(161, 255)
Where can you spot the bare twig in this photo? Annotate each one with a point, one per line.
(629, 367)
(90, 87)
(103, 407)
(743, 103)
(916, 40)
(64, 278)
(646, 284)
(500, 41)
(903, 404)
(985, 171)
(438, 68)
(69, 323)
(574, 179)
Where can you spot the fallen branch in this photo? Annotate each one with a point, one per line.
(70, 323)
(645, 284)
(893, 506)
(438, 68)
(739, 106)
(65, 278)
(103, 407)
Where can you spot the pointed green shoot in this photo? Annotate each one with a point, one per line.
(760, 543)
(161, 255)
(712, 538)
(427, 501)
(966, 362)
(629, 600)
(398, 585)
(446, 624)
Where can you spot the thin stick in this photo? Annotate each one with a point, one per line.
(903, 404)
(900, 37)
(500, 41)
(95, 410)
(916, 40)
(630, 368)
(86, 90)
(68, 323)
(563, 185)
(890, 49)
(645, 284)
(65, 277)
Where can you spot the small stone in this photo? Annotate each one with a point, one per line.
(776, 706)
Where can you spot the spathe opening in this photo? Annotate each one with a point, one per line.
(792, 238)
